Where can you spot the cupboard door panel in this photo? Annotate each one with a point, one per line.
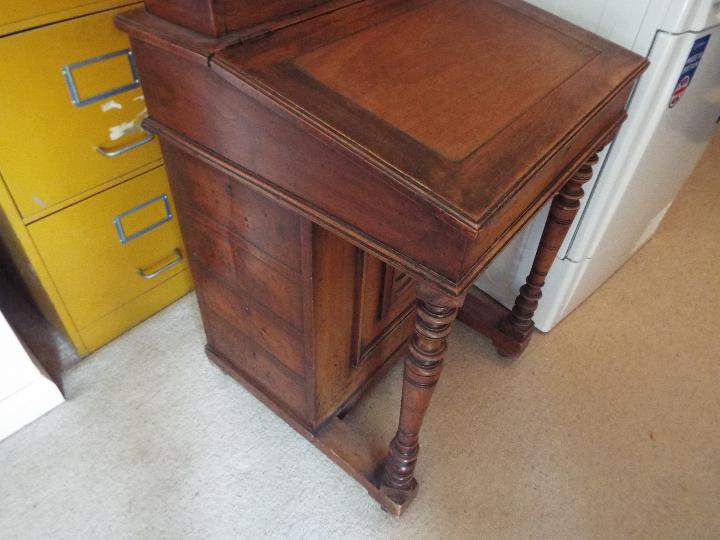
(385, 296)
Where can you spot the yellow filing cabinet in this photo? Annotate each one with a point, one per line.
(86, 207)
(18, 15)
(52, 149)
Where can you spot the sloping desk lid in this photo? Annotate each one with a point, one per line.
(462, 99)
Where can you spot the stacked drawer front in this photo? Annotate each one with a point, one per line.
(51, 149)
(246, 253)
(112, 256)
(84, 180)
(19, 15)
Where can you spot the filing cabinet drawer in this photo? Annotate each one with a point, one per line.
(71, 111)
(109, 249)
(18, 14)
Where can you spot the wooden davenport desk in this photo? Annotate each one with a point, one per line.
(344, 170)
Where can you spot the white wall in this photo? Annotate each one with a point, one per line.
(616, 20)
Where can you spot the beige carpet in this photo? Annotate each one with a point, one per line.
(607, 428)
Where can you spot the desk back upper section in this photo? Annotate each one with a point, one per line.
(217, 17)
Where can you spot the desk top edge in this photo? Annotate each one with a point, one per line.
(218, 54)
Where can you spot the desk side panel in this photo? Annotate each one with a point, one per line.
(355, 341)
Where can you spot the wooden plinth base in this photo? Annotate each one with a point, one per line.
(338, 441)
(485, 315)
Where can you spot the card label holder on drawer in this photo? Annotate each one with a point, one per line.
(156, 209)
(84, 76)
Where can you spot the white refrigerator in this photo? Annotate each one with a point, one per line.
(673, 114)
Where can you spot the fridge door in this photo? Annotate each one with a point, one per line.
(689, 16)
(656, 154)
(619, 21)
(652, 164)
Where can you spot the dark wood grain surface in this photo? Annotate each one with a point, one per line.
(459, 163)
(334, 163)
(217, 17)
(279, 296)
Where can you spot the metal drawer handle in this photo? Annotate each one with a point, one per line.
(110, 153)
(177, 260)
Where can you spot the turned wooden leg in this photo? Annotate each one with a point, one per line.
(518, 325)
(423, 364)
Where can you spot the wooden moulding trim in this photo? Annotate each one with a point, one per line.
(358, 153)
(288, 200)
(548, 157)
(359, 353)
(308, 315)
(361, 264)
(180, 41)
(194, 45)
(246, 83)
(390, 292)
(358, 237)
(362, 354)
(348, 449)
(319, 9)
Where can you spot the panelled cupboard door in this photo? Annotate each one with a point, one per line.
(109, 249)
(17, 15)
(71, 112)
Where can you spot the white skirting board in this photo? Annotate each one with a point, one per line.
(27, 404)
(26, 393)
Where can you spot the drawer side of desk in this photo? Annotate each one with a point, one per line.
(305, 316)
